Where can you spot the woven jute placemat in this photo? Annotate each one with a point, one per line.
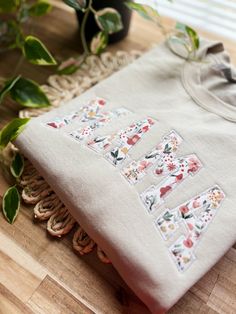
(35, 190)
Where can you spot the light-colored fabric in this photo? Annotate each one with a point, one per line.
(173, 94)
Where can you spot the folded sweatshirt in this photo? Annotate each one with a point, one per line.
(145, 161)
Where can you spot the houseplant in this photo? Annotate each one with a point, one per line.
(91, 26)
(111, 24)
(185, 36)
(99, 25)
(27, 92)
(15, 29)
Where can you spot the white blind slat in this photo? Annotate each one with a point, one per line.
(216, 16)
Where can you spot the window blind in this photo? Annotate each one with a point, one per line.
(216, 16)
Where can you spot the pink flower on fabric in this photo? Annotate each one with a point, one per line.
(159, 171)
(101, 102)
(184, 209)
(150, 121)
(193, 164)
(164, 190)
(188, 243)
(143, 165)
(171, 166)
(145, 128)
(196, 204)
(179, 177)
(133, 140)
(190, 226)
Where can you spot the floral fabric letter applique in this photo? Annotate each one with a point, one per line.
(95, 122)
(127, 139)
(166, 149)
(182, 251)
(176, 171)
(85, 113)
(101, 143)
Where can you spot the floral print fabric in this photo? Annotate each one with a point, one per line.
(136, 170)
(95, 122)
(127, 139)
(86, 113)
(101, 143)
(176, 170)
(195, 214)
(182, 250)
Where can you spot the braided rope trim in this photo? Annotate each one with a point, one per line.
(60, 89)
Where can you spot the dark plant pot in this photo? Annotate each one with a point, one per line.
(91, 27)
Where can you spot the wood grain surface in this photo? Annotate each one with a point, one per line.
(40, 274)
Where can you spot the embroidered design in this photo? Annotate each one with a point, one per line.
(95, 122)
(85, 113)
(92, 111)
(176, 170)
(196, 214)
(101, 143)
(127, 139)
(136, 170)
(182, 251)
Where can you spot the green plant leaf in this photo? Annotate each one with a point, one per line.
(29, 94)
(99, 43)
(8, 5)
(17, 165)
(11, 131)
(184, 41)
(190, 33)
(7, 87)
(193, 36)
(36, 52)
(109, 20)
(40, 8)
(11, 204)
(144, 10)
(76, 4)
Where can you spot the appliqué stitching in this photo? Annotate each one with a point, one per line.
(136, 170)
(101, 143)
(86, 113)
(96, 122)
(165, 163)
(127, 139)
(180, 169)
(182, 250)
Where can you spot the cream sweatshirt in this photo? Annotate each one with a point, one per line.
(145, 161)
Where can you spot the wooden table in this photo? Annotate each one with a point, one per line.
(40, 274)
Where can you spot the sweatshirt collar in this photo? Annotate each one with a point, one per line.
(191, 80)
